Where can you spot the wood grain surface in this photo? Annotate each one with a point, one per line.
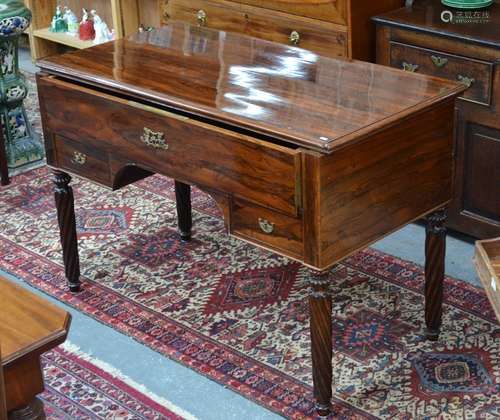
(254, 84)
(29, 323)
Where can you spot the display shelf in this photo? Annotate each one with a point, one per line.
(124, 16)
(61, 38)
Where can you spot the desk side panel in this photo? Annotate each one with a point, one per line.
(380, 184)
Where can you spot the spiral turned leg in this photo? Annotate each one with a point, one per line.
(435, 251)
(67, 227)
(184, 216)
(320, 307)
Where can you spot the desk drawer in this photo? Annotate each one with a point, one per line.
(323, 38)
(467, 70)
(81, 159)
(266, 227)
(173, 145)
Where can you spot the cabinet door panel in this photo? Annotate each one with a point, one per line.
(482, 172)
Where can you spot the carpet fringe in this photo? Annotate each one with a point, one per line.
(116, 373)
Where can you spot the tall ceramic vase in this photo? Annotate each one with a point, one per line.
(22, 145)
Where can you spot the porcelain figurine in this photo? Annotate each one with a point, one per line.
(86, 29)
(71, 22)
(58, 23)
(102, 32)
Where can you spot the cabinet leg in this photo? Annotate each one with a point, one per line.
(184, 216)
(320, 307)
(67, 227)
(34, 411)
(435, 251)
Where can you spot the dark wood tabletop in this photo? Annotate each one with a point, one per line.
(254, 84)
(426, 16)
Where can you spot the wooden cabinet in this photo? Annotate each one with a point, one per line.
(416, 39)
(335, 28)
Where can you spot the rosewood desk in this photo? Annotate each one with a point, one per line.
(311, 157)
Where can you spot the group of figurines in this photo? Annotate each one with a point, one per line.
(90, 28)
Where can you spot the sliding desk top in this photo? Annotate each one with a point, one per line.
(285, 92)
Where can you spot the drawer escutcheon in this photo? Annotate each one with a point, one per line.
(467, 81)
(410, 67)
(79, 158)
(439, 61)
(266, 226)
(154, 139)
(201, 17)
(294, 38)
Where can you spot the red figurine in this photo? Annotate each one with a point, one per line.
(86, 30)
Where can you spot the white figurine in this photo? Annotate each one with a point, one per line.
(71, 21)
(102, 32)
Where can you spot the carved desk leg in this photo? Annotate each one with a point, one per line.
(435, 251)
(320, 307)
(184, 216)
(67, 227)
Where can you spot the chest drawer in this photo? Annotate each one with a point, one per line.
(170, 144)
(267, 227)
(328, 10)
(322, 38)
(474, 73)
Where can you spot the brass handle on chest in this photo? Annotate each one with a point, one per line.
(412, 68)
(79, 158)
(467, 81)
(294, 38)
(154, 139)
(201, 17)
(266, 226)
(439, 61)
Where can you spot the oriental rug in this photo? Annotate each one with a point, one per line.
(239, 315)
(78, 386)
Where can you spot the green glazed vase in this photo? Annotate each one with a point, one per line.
(22, 145)
(467, 4)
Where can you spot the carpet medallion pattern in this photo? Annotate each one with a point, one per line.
(239, 315)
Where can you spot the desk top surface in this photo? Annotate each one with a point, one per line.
(28, 323)
(285, 92)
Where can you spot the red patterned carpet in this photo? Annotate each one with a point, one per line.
(238, 314)
(75, 388)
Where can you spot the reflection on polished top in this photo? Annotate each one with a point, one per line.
(286, 92)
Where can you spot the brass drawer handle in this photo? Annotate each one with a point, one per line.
(410, 67)
(439, 61)
(154, 139)
(79, 158)
(467, 81)
(294, 38)
(266, 226)
(201, 17)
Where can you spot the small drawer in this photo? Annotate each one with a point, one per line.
(266, 227)
(322, 38)
(474, 73)
(81, 159)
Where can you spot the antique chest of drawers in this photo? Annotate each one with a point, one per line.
(420, 39)
(335, 28)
